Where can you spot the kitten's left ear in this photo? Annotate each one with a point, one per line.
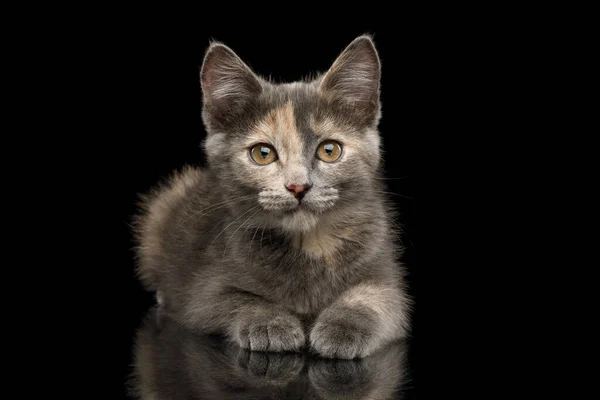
(354, 77)
(228, 84)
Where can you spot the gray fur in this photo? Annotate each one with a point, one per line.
(226, 246)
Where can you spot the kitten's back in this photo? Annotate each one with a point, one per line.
(159, 209)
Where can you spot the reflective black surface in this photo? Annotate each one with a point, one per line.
(173, 363)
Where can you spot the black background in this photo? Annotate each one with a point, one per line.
(147, 122)
(457, 82)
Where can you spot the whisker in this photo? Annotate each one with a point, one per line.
(390, 179)
(261, 242)
(257, 208)
(226, 201)
(231, 223)
(215, 227)
(271, 238)
(200, 213)
(396, 194)
(251, 244)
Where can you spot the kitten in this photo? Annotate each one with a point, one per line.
(284, 240)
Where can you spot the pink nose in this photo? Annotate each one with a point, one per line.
(298, 190)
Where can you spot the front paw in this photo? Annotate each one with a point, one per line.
(270, 332)
(343, 333)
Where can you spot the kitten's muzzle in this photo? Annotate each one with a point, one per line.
(298, 190)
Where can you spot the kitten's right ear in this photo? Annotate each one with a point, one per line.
(228, 84)
(354, 79)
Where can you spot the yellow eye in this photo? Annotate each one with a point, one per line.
(263, 154)
(329, 151)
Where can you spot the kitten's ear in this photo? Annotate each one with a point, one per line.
(228, 84)
(354, 77)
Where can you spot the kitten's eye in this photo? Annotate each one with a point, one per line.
(263, 154)
(329, 151)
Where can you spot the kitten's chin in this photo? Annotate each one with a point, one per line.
(298, 221)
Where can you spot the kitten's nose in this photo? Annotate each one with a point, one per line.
(297, 190)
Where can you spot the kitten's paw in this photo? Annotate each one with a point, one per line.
(270, 332)
(345, 334)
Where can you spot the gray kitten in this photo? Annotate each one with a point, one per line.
(285, 240)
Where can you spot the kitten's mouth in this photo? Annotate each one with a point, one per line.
(292, 210)
(298, 207)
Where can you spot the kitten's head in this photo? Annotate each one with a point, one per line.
(291, 153)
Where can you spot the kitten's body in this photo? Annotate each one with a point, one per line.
(230, 250)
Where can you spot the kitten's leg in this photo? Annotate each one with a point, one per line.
(249, 321)
(364, 319)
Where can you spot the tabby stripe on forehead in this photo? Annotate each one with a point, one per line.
(279, 125)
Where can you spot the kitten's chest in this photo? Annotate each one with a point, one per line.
(303, 277)
(306, 285)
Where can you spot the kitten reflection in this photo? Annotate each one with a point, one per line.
(173, 363)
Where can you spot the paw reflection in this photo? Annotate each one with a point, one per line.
(339, 377)
(375, 377)
(173, 363)
(269, 368)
